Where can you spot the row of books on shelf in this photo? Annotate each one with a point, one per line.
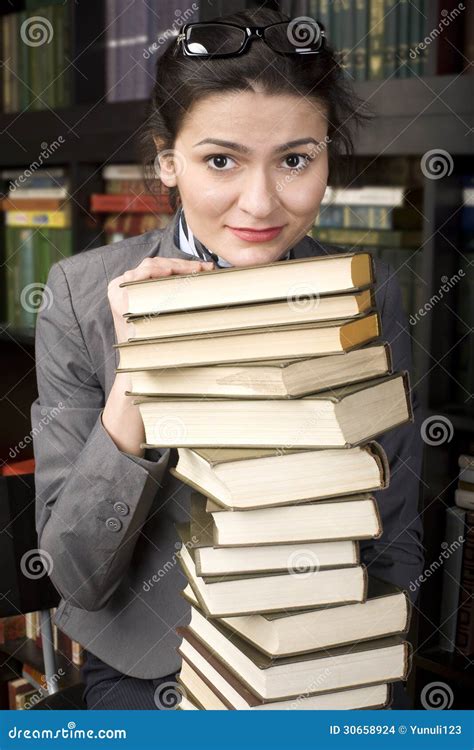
(36, 48)
(457, 602)
(28, 626)
(28, 689)
(283, 613)
(38, 75)
(37, 232)
(376, 39)
(379, 39)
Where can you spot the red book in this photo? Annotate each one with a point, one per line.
(18, 467)
(146, 203)
(12, 628)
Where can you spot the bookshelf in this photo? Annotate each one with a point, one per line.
(413, 115)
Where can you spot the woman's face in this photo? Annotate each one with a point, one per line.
(258, 179)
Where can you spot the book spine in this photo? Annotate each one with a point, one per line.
(14, 61)
(325, 18)
(12, 628)
(336, 29)
(369, 238)
(376, 40)
(346, 36)
(361, 28)
(6, 52)
(23, 81)
(402, 38)
(390, 38)
(465, 618)
(452, 571)
(57, 219)
(413, 53)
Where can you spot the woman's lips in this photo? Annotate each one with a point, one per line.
(250, 235)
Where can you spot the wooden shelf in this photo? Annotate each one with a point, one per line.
(25, 651)
(461, 418)
(451, 667)
(10, 334)
(417, 114)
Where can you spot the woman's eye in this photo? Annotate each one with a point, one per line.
(299, 161)
(221, 162)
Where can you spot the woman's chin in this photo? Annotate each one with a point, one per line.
(254, 256)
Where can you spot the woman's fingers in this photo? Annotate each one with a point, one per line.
(152, 268)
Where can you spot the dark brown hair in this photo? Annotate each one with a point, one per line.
(181, 81)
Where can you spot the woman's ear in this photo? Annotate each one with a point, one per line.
(165, 167)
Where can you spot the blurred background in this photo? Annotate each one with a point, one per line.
(74, 80)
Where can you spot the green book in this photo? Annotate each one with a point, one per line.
(325, 18)
(422, 31)
(360, 45)
(27, 291)
(390, 38)
(413, 53)
(15, 62)
(376, 40)
(367, 237)
(336, 28)
(402, 38)
(346, 35)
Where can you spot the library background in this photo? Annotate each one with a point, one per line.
(409, 198)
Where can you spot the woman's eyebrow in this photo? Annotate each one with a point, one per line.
(245, 150)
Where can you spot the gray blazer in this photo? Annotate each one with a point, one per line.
(106, 518)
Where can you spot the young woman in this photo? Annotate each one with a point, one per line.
(245, 141)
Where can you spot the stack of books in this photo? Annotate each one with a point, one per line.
(272, 383)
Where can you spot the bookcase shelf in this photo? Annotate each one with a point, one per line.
(25, 651)
(411, 117)
(447, 666)
(25, 336)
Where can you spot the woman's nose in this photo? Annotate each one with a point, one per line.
(259, 194)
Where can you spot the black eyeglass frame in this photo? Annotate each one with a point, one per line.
(250, 33)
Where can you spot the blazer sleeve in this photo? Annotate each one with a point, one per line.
(398, 555)
(91, 498)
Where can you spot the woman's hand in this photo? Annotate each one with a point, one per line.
(149, 268)
(120, 417)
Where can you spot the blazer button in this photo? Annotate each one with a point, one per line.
(113, 524)
(121, 508)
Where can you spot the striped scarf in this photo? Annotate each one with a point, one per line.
(189, 243)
